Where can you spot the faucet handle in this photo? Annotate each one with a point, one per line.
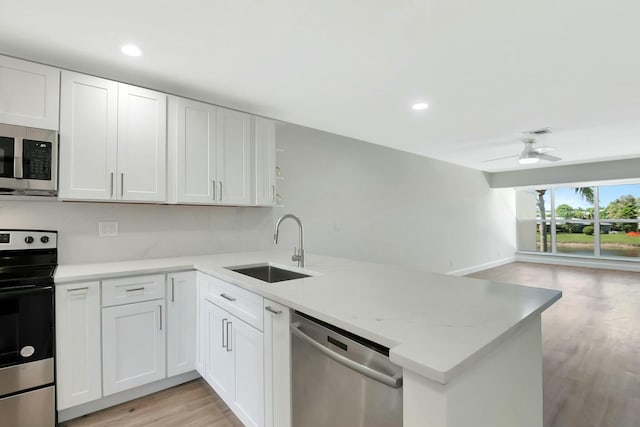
(296, 255)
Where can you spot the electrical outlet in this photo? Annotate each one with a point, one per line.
(337, 227)
(108, 228)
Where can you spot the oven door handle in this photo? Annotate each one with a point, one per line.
(393, 382)
(21, 290)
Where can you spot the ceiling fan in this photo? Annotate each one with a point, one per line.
(531, 154)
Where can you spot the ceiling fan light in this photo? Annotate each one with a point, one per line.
(528, 159)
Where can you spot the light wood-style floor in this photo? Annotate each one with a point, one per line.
(591, 343)
(193, 404)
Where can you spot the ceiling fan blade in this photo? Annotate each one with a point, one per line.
(545, 149)
(548, 157)
(501, 158)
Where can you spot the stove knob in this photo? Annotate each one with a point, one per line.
(28, 240)
(44, 239)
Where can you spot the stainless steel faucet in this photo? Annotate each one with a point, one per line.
(298, 255)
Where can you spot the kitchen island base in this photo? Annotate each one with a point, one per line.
(501, 389)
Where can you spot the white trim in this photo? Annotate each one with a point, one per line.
(125, 396)
(578, 261)
(480, 267)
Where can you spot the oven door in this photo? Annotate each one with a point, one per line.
(26, 324)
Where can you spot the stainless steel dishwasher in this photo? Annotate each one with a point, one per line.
(340, 379)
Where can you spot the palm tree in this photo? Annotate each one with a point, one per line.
(586, 193)
(543, 217)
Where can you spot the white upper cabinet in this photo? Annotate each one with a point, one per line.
(112, 141)
(88, 137)
(234, 157)
(264, 148)
(193, 141)
(29, 94)
(210, 154)
(142, 144)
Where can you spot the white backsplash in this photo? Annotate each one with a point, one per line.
(144, 231)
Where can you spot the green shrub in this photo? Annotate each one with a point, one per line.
(588, 230)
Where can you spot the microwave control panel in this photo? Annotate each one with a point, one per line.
(37, 159)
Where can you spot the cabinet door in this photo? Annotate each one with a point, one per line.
(181, 322)
(79, 377)
(219, 359)
(247, 347)
(133, 345)
(202, 327)
(88, 137)
(142, 144)
(277, 365)
(264, 146)
(196, 152)
(29, 94)
(234, 157)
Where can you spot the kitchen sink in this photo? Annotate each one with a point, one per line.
(267, 272)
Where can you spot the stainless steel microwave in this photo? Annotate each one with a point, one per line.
(28, 161)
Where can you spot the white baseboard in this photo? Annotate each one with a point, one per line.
(578, 261)
(125, 396)
(480, 267)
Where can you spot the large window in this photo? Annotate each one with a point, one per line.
(600, 221)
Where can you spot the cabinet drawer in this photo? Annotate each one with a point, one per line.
(132, 289)
(243, 304)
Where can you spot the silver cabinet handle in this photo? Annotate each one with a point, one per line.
(135, 289)
(111, 187)
(214, 189)
(122, 185)
(160, 306)
(220, 190)
(227, 297)
(393, 382)
(78, 289)
(173, 289)
(273, 193)
(224, 332)
(229, 335)
(272, 310)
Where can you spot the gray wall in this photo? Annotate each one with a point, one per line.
(589, 172)
(145, 231)
(390, 206)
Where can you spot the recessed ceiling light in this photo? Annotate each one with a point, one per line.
(131, 50)
(419, 106)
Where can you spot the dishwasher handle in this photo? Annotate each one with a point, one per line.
(391, 381)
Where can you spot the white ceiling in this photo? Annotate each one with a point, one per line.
(489, 69)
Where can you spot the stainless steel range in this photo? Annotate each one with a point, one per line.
(28, 260)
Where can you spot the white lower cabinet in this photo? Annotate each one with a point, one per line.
(133, 345)
(218, 358)
(79, 374)
(245, 343)
(233, 358)
(181, 322)
(154, 328)
(277, 365)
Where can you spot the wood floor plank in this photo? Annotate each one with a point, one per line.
(193, 404)
(591, 343)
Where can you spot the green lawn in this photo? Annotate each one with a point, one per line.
(621, 238)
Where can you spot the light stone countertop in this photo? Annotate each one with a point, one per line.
(434, 324)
